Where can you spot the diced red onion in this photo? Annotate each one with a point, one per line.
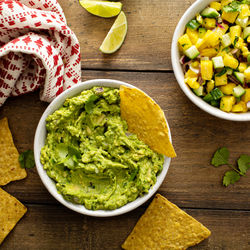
(220, 26)
(99, 90)
(233, 79)
(234, 51)
(182, 60)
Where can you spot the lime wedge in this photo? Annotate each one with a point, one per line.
(116, 35)
(101, 8)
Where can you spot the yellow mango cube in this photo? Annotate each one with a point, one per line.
(242, 67)
(210, 39)
(246, 97)
(210, 85)
(215, 5)
(192, 82)
(190, 74)
(227, 102)
(221, 31)
(184, 42)
(230, 61)
(244, 12)
(235, 31)
(228, 89)
(247, 73)
(209, 52)
(220, 80)
(206, 70)
(225, 2)
(240, 43)
(209, 23)
(240, 107)
(193, 35)
(229, 16)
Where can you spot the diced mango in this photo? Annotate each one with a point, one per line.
(185, 42)
(229, 16)
(195, 64)
(225, 2)
(248, 39)
(193, 35)
(244, 12)
(192, 82)
(210, 85)
(220, 80)
(215, 5)
(209, 52)
(247, 73)
(235, 31)
(240, 107)
(245, 51)
(209, 23)
(199, 18)
(246, 97)
(240, 43)
(190, 74)
(206, 70)
(227, 102)
(221, 31)
(228, 89)
(242, 67)
(230, 61)
(211, 39)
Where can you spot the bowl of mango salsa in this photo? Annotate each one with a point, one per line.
(211, 57)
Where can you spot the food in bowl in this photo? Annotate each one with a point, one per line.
(215, 55)
(91, 155)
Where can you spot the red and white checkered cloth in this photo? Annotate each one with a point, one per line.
(37, 49)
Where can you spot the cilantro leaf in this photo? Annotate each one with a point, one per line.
(26, 159)
(230, 177)
(244, 163)
(232, 7)
(220, 157)
(89, 105)
(224, 71)
(68, 155)
(236, 40)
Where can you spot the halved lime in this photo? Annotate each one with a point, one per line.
(101, 8)
(116, 35)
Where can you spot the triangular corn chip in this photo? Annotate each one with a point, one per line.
(146, 119)
(165, 226)
(10, 169)
(11, 211)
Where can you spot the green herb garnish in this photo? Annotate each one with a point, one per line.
(26, 159)
(221, 157)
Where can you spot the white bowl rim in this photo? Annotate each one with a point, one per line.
(196, 7)
(50, 184)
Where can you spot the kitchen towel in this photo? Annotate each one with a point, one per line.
(37, 49)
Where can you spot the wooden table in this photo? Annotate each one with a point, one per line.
(191, 183)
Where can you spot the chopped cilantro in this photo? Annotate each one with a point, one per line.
(236, 40)
(26, 159)
(221, 157)
(89, 105)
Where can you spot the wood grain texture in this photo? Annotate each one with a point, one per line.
(191, 181)
(54, 227)
(150, 29)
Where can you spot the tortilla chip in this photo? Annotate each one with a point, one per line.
(11, 211)
(10, 169)
(146, 119)
(165, 226)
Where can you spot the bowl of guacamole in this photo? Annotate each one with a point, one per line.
(87, 158)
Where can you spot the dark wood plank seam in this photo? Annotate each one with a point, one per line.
(127, 70)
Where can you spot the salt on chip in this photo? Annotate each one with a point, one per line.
(11, 211)
(10, 169)
(145, 119)
(165, 226)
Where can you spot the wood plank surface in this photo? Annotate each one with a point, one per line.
(150, 29)
(191, 181)
(54, 227)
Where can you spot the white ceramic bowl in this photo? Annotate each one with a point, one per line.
(39, 141)
(195, 8)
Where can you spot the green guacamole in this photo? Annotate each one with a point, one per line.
(92, 157)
